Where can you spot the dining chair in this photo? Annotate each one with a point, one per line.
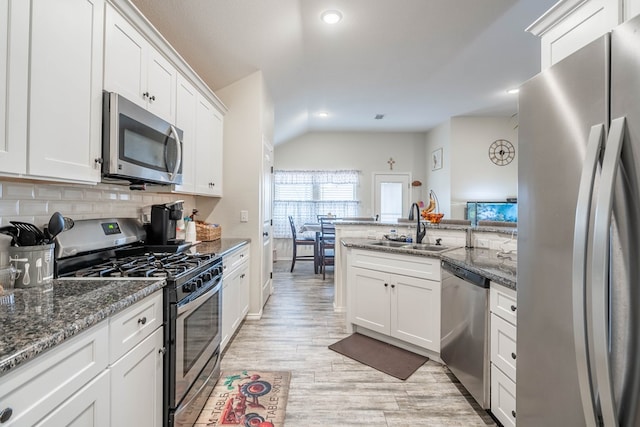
(304, 241)
(327, 244)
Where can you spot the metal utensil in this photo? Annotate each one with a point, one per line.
(56, 225)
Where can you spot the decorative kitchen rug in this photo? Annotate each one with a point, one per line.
(248, 398)
(387, 358)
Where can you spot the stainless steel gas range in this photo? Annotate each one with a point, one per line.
(192, 302)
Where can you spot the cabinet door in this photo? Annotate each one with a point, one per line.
(186, 99)
(415, 311)
(370, 303)
(230, 313)
(161, 86)
(88, 407)
(65, 103)
(125, 58)
(215, 166)
(503, 397)
(136, 384)
(14, 74)
(243, 291)
(205, 134)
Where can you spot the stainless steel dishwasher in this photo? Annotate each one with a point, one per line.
(464, 329)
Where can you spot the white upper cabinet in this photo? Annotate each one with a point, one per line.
(51, 89)
(65, 102)
(572, 24)
(208, 162)
(136, 70)
(14, 74)
(186, 102)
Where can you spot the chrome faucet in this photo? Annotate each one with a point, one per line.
(419, 233)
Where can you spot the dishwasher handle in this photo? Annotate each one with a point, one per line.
(466, 275)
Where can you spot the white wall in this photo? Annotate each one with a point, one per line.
(245, 125)
(467, 172)
(367, 152)
(440, 180)
(473, 175)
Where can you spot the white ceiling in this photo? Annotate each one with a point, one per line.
(418, 62)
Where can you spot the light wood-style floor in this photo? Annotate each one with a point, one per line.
(328, 389)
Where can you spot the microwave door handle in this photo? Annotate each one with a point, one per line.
(179, 153)
(600, 271)
(580, 277)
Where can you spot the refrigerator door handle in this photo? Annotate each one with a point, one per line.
(579, 285)
(600, 271)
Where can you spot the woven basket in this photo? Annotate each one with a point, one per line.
(207, 232)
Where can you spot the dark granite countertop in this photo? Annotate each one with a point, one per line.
(489, 263)
(220, 246)
(42, 317)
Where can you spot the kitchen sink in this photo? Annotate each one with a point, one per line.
(389, 244)
(404, 245)
(426, 247)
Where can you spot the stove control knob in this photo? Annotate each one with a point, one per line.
(198, 283)
(188, 287)
(207, 277)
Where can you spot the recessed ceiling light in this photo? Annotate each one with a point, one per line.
(512, 91)
(331, 16)
(379, 116)
(323, 114)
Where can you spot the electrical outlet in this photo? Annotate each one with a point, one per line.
(244, 216)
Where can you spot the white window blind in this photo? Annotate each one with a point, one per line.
(306, 194)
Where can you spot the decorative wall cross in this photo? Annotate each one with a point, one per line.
(391, 163)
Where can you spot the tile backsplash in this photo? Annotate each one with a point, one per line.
(35, 202)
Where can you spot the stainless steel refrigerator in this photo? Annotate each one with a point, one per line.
(578, 355)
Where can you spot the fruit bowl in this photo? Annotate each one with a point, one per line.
(434, 218)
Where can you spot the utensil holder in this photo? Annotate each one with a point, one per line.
(34, 264)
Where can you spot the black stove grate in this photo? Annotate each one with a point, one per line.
(147, 265)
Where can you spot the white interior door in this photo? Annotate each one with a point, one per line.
(391, 195)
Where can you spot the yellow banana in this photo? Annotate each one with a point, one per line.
(432, 204)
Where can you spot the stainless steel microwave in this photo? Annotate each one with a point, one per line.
(138, 146)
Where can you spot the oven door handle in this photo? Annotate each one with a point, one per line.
(201, 299)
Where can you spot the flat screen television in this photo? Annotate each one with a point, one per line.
(492, 211)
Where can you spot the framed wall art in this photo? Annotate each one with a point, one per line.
(436, 159)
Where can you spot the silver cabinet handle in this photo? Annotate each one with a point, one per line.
(142, 321)
(579, 279)
(600, 270)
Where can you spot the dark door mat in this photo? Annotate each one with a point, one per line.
(397, 362)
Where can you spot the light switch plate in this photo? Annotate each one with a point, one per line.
(244, 216)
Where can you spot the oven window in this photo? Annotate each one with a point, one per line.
(200, 328)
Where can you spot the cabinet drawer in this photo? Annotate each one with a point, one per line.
(40, 386)
(503, 303)
(130, 327)
(233, 260)
(503, 397)
(503, 345)
(416, 266)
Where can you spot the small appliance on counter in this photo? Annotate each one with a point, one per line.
(162, 229)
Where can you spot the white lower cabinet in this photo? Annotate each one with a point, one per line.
(88, 407)
(136, 384)
(503, 397)
(502, 302)
(74, 384)
(235, 292)
(403, 306)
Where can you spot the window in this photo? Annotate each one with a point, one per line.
(307, 194)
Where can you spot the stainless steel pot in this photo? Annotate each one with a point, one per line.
(34, 264)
